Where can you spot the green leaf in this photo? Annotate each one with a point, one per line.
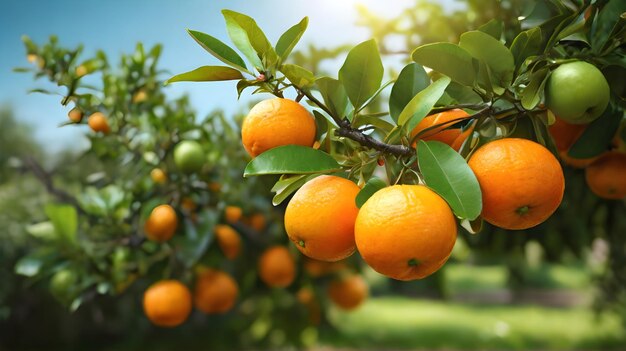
(29, 266)
(422, 103)
(449, 59)
(250, 39)
(525, 44)
(245, 83)
(362, 72)
(43, 230)
(218, 49)
(472, 226)
(493, 28)
(412, 80)
(207, 74)
(290, 38)
(197, 238)
(334, 95)
(65, 220)
(493, 53)
(447, 173)
(606, 22)
(597, 137)
(531, 95)
(372, 186)
(291, 159)
(299, 76)
(375, 121)
(287, 185)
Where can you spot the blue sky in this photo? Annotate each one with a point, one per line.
(116, 26)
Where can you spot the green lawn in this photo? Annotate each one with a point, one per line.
(402, 323)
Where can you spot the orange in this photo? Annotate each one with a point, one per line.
(161, 224)
(232, 214)
(565, 134)
(606, 176)
(257, 221)
(214, 186)
(447, 136)
(81, 71)
(140, 96)
(99, 123)
(188, 204)
(458, 142)
(576, 162)
(215, 291)
(320, 217)
(167, 303)
(348, 293)
(277, 122)
(228, 240)
(277, 267)
(522, 183)
(317, 268)
(405, 232)
(75, 115)
(306, 297)
(158, 176)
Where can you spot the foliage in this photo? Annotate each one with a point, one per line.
(497, 73)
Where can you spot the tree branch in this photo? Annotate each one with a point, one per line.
(345, 130)
(30, 164)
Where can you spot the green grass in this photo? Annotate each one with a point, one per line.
(406, 323)
(463, 277)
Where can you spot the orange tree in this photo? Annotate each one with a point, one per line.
(158, 217)
(480, 124)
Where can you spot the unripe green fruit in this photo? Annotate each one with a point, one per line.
(577, 92)
(188, 156)
(62, 284)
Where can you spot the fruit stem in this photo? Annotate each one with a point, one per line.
(523, 210)
(413, 262)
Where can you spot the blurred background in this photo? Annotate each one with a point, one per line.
(558, 286)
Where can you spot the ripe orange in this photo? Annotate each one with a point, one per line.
(606, 176)
(317, 268)
(320, 217)
(215, 291)
(81, 71)
(99, 123)
(75, 115)
(277, 267)
(306, 297)
(161, 224)
(158, 176)
(228, 240)
(140, 96)
(214, 186)
(257, 221)
(277, 122)
(576, 162)
(232, 214)
(188, 204)
(565, 134)
(405, 232)
(522, 183)
(447, 136)
(348, 293)
(167, 303)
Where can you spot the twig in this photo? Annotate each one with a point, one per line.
(345, 130)
(30, 164)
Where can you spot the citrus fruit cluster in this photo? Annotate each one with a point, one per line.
(405, 232)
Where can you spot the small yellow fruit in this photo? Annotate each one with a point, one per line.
(75, 115)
